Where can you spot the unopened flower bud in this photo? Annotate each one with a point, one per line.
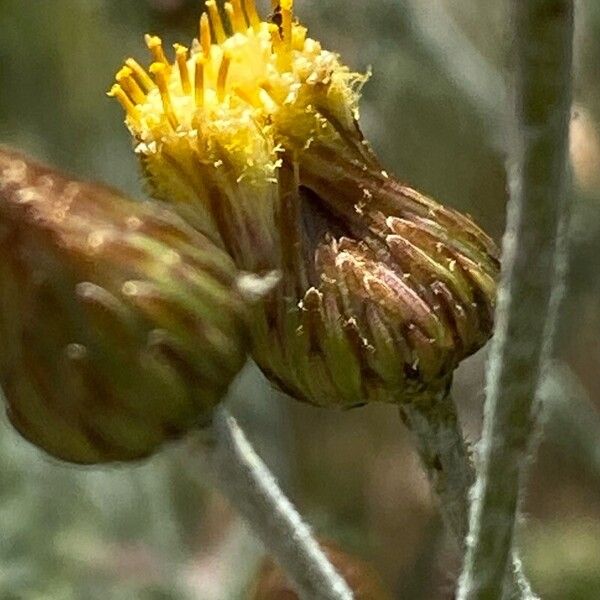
(121, 326)
(380, 300)
(255, 137)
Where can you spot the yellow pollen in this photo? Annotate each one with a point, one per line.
(199, 80)
(116, 91)
(222, 77)
(181, 53)
(125, 78)
(205, 37)
(154, 44)
(215, 19)
(159, 70)
(252, 14)
(142, 77)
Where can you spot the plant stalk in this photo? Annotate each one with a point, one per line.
(248, 484)
(538, 174)
(447, 461)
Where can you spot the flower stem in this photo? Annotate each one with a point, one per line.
(446, 458)
(251, 488)
(543, 44)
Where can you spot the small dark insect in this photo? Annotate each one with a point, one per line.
(277, 19)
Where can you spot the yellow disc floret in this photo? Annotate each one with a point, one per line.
(212, 125)
(246, 89)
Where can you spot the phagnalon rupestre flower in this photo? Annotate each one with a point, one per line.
(253, 135)
(121, 325)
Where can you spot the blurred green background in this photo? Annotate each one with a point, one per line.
(434, 110)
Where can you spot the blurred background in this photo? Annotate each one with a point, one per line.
(435, 111)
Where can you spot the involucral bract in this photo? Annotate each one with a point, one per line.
(252, 134)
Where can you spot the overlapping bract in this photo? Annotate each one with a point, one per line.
(381, 297)
(126, 323)
(122, 326)
(256, 139)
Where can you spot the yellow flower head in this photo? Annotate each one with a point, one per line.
(254, 135)
(219, 115)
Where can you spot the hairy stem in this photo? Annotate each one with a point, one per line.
(543, 44)
(251, 488)
(446, 458)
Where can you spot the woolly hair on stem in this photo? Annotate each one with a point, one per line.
(248, 484)
(543, 46)
(446, 458)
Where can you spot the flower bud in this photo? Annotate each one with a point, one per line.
(255, 138)
(121, 325)
(380, 300)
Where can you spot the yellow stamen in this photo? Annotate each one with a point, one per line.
(222, 77)
(154, 44)
(240, 22)
(281, 47)
(230, 16)
(181, 53)
(252, 14)
(160, 72)
(215, 19)
(125, 78)
(199, 80)
(267, 100)
(142, 77)
(205, 36)
(116, 91)
(276, 41)
(298, 37)
(286, 25)
(268, 87)
(248, 97)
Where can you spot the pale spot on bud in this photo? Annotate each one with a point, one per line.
(76, 352)
(12, 172)
(96, 240)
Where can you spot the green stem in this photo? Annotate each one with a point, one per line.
(433, 420)
(248, 484)
(543, 44)
(434, 423)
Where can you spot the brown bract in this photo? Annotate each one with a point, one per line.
(384, 290)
